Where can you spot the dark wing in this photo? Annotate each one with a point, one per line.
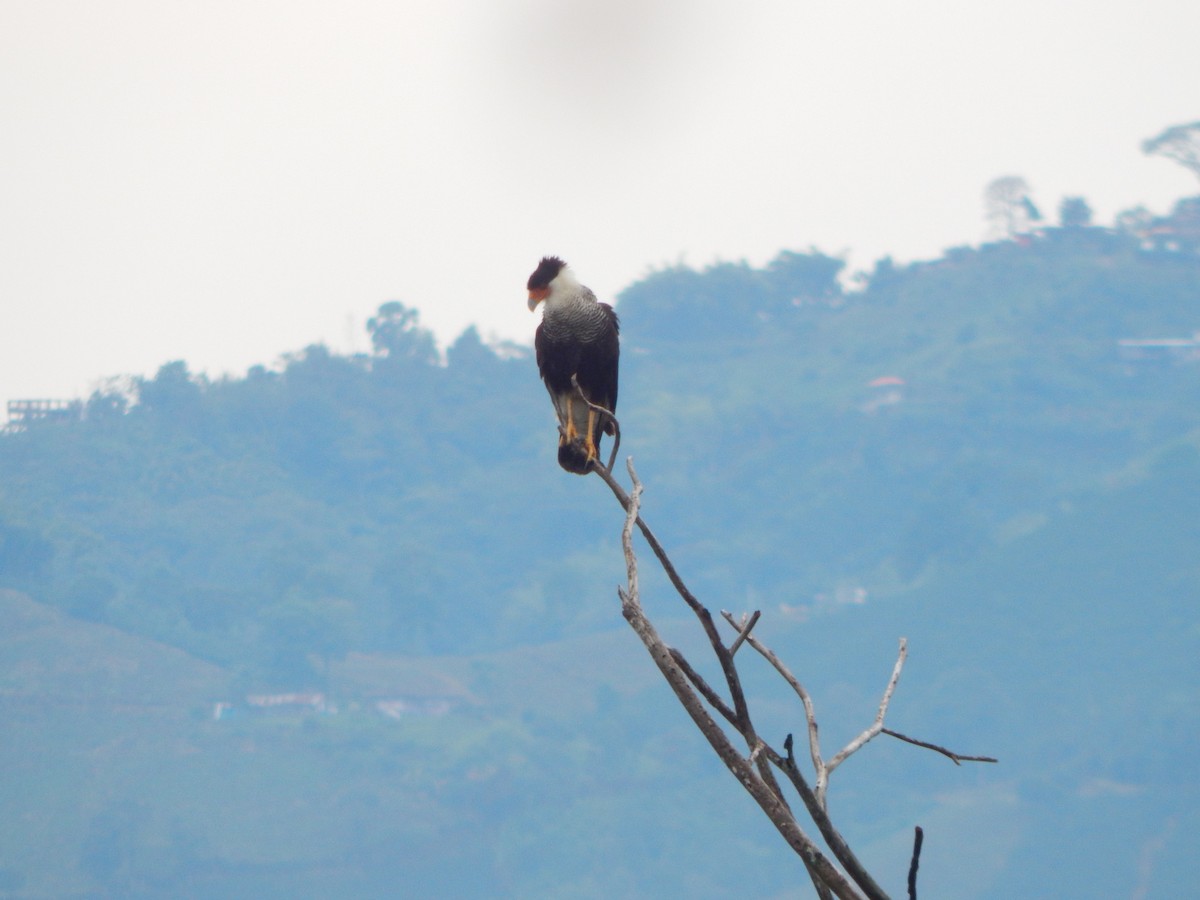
(611, 359)
(600, 364)
(539, 349)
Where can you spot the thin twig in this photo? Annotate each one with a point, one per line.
(744, 633)
(957, 758)
(918, 839)
(612, 455)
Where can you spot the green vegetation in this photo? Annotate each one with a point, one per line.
(961, 451)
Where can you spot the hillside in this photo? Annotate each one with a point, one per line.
(987, 453)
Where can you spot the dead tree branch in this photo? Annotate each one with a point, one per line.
(842, 755)
(810, 716)
(744, 630)
(918, 839)
(755, 769)
(822, 871)
(957, 758)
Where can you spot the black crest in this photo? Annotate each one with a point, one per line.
(547, 269)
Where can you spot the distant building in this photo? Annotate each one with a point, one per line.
(315, 702)
(21, 413)
(1178, 232)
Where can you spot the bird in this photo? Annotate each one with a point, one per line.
(579, 337)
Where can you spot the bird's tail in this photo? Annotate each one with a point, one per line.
(573, 457)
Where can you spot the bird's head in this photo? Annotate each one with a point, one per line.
(545, 278)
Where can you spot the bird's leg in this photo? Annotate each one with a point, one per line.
(588, 443)
(606, 417)
(568, 431)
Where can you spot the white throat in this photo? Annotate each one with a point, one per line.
(564, 285)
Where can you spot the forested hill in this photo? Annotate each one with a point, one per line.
(794, 437)
(995, 453)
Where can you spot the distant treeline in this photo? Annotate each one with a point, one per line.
(397, 501)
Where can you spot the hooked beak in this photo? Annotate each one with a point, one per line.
(536, 296)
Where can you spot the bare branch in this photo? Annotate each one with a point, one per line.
(957, 758)
(833, 838)
(825, 875)
(612, 455)
(745, 630)
(668, 567)
(918, 839)
(756, 770)
(710, 629)
(810, 715)
(741, 712)
(713, 698)
(631, 515)
(842, 755)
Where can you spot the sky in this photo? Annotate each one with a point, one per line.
(228, 182)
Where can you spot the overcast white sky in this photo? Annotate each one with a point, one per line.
(225, 182)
